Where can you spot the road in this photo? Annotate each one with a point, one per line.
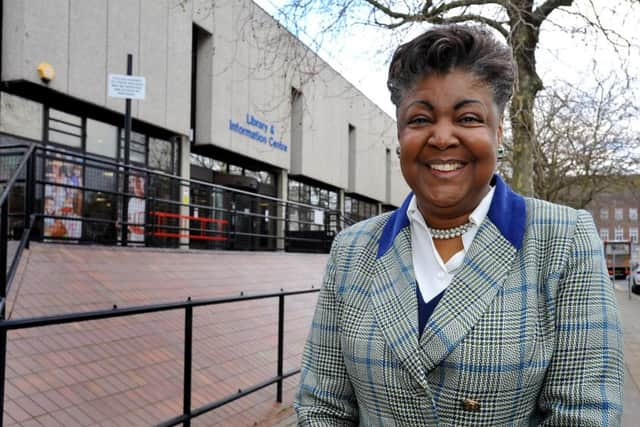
(630, 312)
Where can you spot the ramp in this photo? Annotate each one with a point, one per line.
(128, 370)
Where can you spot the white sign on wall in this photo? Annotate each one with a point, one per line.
(123, 86)
(318, 216)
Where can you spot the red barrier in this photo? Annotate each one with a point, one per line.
(161, 216)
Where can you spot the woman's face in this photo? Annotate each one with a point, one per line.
(449, 129)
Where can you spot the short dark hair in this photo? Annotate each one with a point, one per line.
(443, 49)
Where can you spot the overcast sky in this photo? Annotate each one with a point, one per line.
(577, 58)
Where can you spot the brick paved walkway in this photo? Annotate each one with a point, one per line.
(629, 309)
(128, 371)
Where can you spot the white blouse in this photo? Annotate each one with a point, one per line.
(432, 274)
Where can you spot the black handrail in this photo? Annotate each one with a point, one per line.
(18, 170)
(6, 277)
(188, 305)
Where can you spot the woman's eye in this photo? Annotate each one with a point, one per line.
(470, 119)
(418, 120)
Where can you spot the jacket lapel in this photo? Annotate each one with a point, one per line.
(485, 268)
(393, 293)
(475, 285)
(482, 275)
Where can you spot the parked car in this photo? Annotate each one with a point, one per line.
(635, 278)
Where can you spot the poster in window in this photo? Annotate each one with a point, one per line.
(136, 209)
(62, 200)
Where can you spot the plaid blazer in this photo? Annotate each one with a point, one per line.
(527, 333)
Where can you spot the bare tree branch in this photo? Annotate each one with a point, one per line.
(449, 6)
(520, 22)
(545, 9)
(499, 26)
(437, 14)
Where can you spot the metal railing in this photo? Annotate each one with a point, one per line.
(26, 166)
(214, 217)
(188, 306)
(25, 173)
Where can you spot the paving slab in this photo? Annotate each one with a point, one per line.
(129, 370)
(629, 306)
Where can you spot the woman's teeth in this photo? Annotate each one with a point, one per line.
(446, 167)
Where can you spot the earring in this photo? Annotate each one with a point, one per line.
(398, 150)
(500, 153)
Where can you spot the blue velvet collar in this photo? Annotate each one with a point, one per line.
(507, 212)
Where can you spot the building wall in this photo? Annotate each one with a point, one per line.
(247, 66)
(255, 64)
(85, 40)
(603, 209)
(247, 84)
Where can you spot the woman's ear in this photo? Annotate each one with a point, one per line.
(500, 148)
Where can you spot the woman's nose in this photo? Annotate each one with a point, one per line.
(442, 137)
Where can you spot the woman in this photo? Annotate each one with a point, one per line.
(470, 304)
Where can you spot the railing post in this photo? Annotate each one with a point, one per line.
(29, 195)
(188, 347)
(3, 363)
(4, 226)
(286, 225)
(148, 229)
(4, 217)
(280, 345)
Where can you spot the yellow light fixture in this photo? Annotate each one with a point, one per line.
(46, 72)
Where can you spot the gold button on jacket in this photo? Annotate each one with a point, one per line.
(471, 405)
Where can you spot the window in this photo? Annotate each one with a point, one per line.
(65, 128)
(294, 191)
(618, 214)
(358, 209)
(309, 195)
(619, 233)
(633, 214)
(263, 177)
(333, 200)
(604, 213)
(160, 155)
(137, 147)
(315, 196)
(604, 234)
(353, 156)
(102, 138)
(209, 163)
(633, 234)
(235, 170)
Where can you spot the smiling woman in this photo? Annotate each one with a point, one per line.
(470, 304)
(449, 130)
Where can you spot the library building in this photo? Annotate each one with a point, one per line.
(197, 124)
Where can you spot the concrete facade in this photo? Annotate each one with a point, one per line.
(85, 41)
(256, 66)
(246, 68)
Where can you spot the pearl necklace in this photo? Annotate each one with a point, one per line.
(450, 233)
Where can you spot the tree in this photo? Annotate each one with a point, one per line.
(518, 21)
(585, 141)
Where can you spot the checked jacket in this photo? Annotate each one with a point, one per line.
(527, 333)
